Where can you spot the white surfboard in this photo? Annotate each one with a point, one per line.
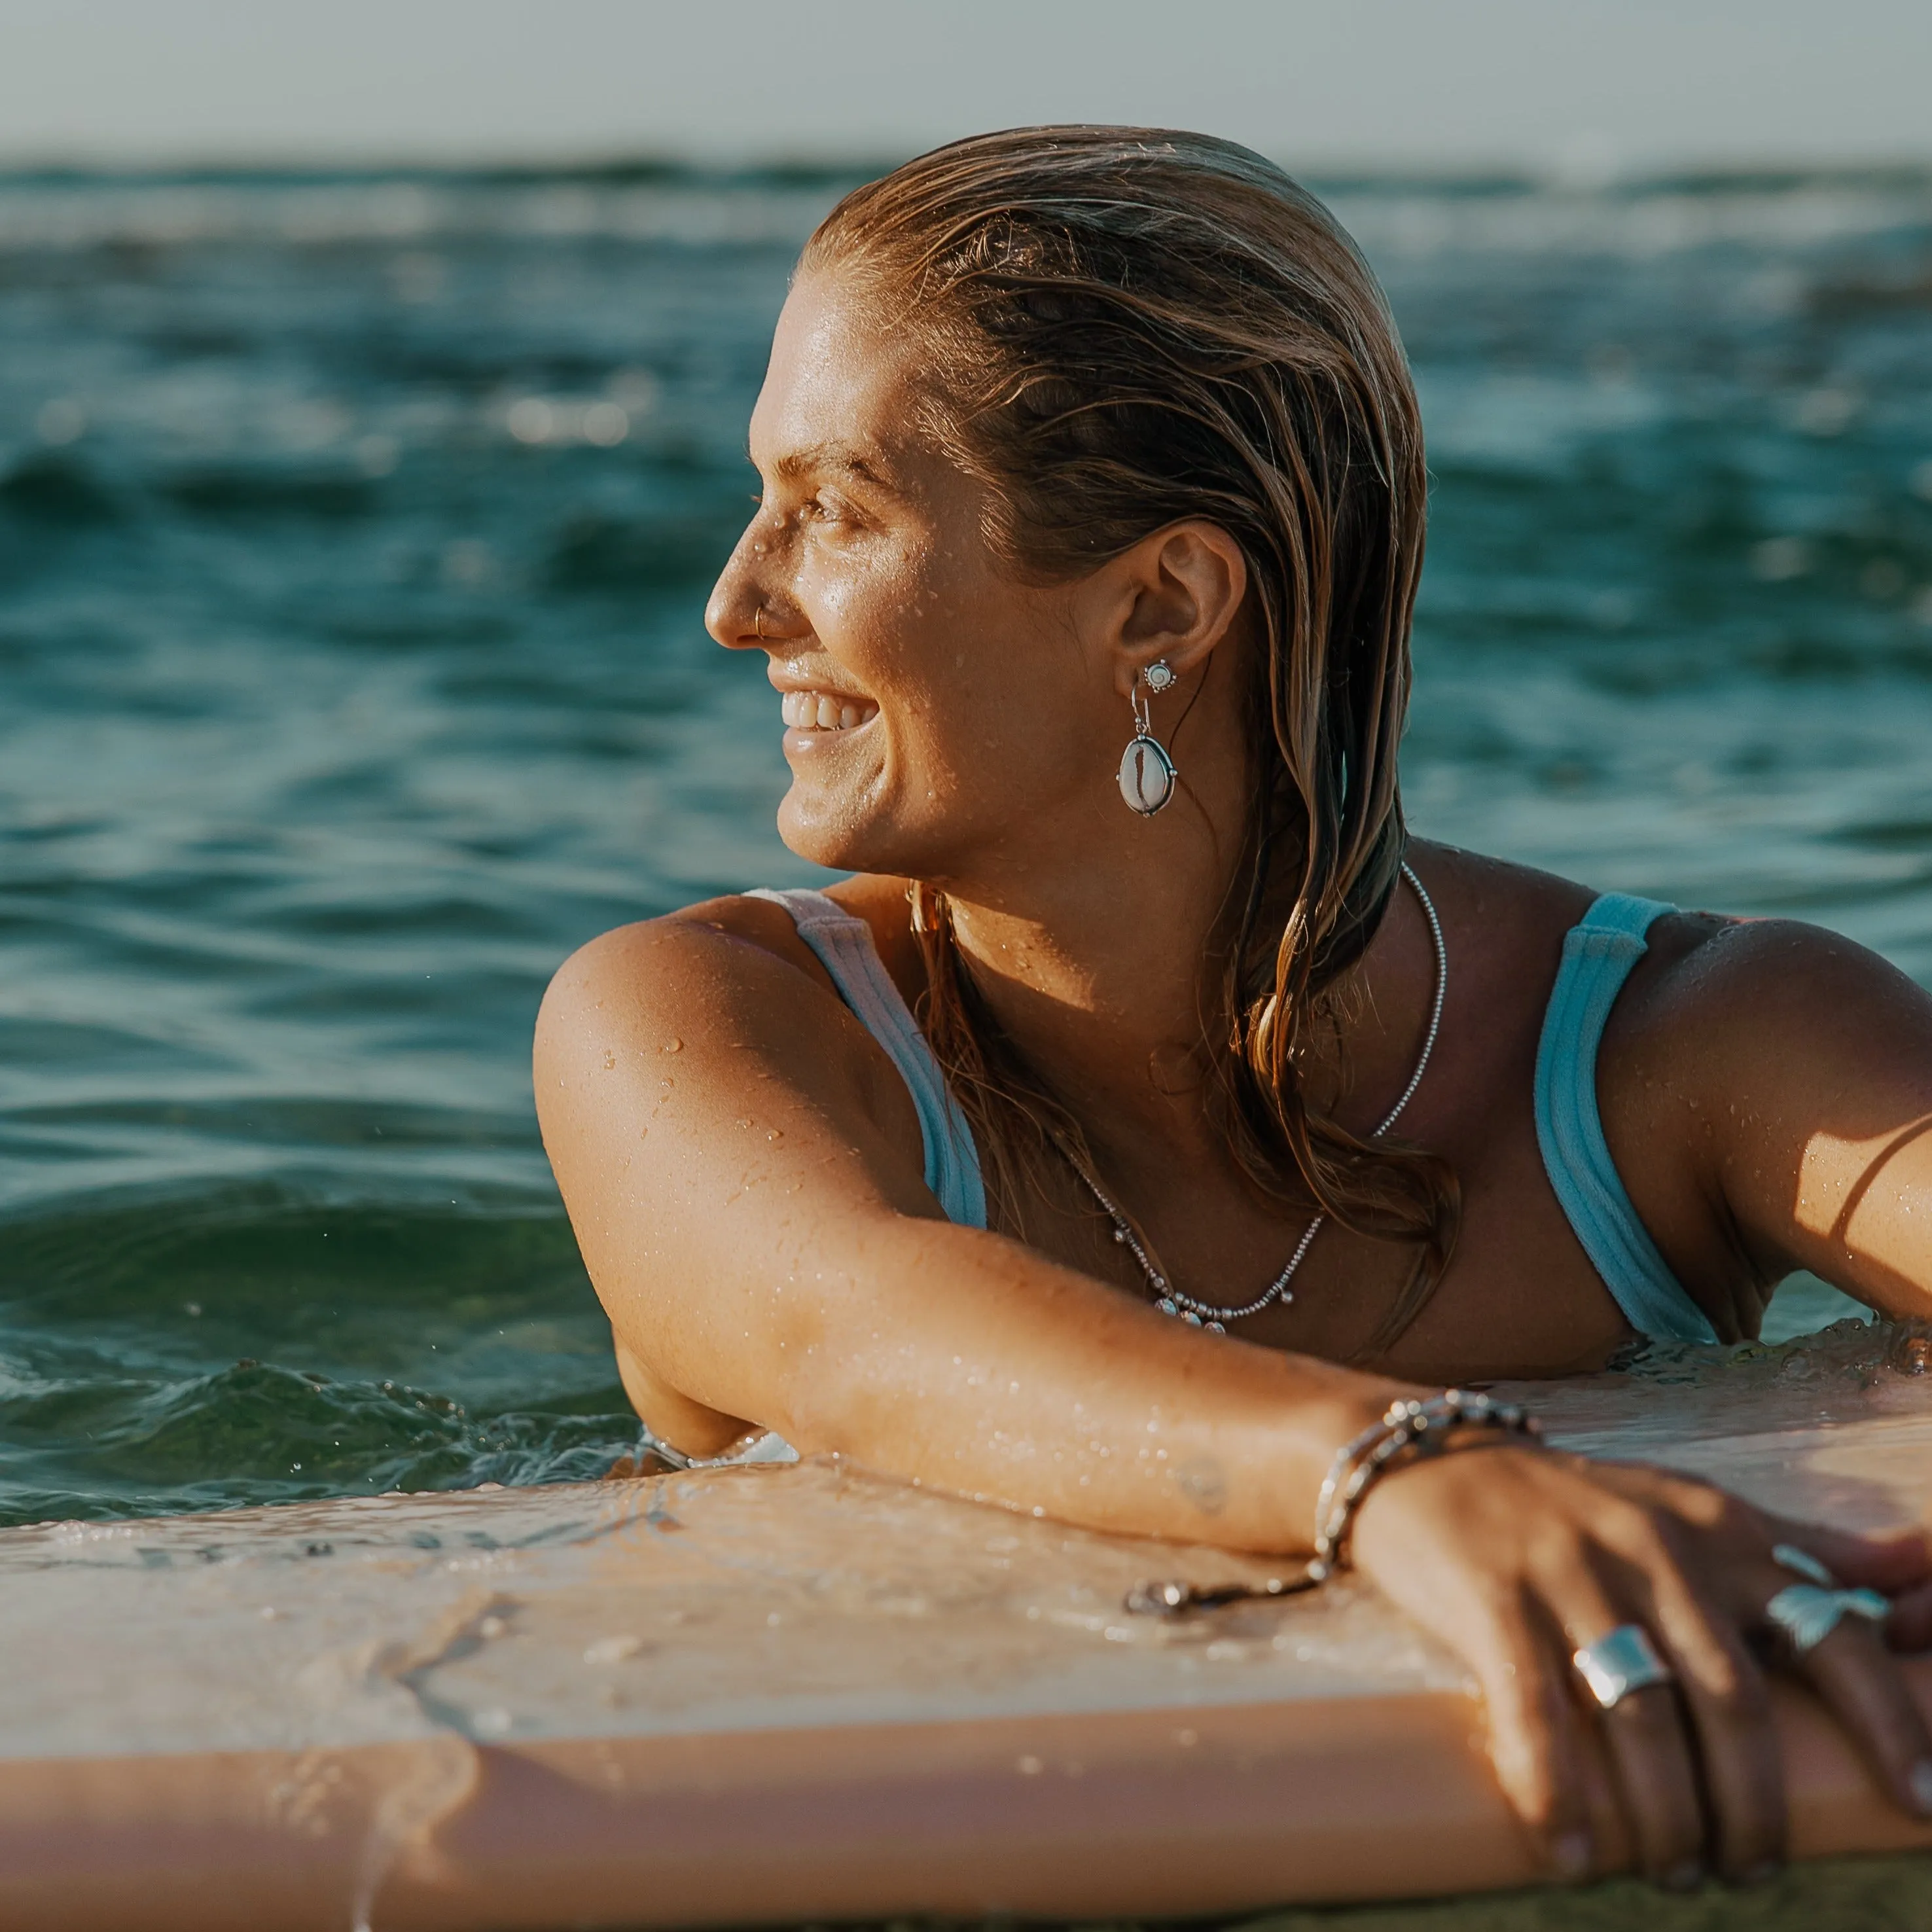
(782, 1694)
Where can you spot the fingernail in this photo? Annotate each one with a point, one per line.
(1921, 1781)
(1571, 1855)
(1686, 1877)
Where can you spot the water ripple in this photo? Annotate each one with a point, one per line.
(353, 535)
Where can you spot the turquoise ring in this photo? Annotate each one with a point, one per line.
(1807, 1613)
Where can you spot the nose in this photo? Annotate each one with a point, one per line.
(731, 611)
(742, 613)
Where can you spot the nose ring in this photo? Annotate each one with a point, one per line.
(758, 622)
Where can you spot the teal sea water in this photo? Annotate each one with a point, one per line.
(354, 532)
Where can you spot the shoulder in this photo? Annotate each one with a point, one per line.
(1762, 1065)
(727, 985)
(717, 943)
(661, 965)
(1702, 974)
(1710, 988)
(1754, 1035)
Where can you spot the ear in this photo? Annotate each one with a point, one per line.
(1174, 596)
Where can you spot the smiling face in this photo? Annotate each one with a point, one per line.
(934, 709)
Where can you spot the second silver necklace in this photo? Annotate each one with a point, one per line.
(1185, 1307)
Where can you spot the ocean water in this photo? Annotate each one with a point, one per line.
(354, 533)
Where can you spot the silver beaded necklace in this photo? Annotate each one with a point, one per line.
(1185, 1307)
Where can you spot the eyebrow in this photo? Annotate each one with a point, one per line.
(840, 458)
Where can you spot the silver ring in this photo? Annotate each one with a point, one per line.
(1623, 1661)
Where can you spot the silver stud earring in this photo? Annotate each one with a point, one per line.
(1147, 772)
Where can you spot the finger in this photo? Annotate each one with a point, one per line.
(1650, 1755)
(1657, 1781)
(1534, 1743)
(1888, 1560)
(1729, 1706)
(1892, 1561)
(1909, 1627)
(1857, 1678)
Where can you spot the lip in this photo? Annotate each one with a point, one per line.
(783, 680)
(799, 742)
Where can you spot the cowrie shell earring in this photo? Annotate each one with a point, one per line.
(1147, 772)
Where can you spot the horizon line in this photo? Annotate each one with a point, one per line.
(813, 164)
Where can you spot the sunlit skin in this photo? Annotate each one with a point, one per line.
(743, 1168)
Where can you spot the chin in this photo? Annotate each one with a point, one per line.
(830, 828)
(851, 830)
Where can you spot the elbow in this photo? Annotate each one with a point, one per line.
(822, 1383)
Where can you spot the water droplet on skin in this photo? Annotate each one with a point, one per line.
(672, 1045)
(609, 1061)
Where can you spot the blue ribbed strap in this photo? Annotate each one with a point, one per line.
(1598, 953)
(843, 945)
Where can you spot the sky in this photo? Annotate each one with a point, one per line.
(1587, 87)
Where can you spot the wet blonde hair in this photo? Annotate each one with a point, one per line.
(1128, 327)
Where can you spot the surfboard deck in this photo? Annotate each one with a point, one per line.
(780, 1694)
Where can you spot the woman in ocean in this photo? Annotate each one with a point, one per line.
(1149, 1118)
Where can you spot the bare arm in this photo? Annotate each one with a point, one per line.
(743, 1170)
(1802, 1067)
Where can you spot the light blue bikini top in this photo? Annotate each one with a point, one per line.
(843, 945)
(1598, 953)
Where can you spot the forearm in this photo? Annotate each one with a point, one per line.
(947, 1356)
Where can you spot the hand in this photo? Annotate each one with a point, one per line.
(1517, 1557)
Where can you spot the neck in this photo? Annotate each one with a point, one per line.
(1108, 979)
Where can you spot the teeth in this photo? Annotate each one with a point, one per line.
(814, 711)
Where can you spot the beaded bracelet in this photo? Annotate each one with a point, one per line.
(1409, 1429)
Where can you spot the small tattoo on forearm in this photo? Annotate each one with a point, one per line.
(1203, 1483)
